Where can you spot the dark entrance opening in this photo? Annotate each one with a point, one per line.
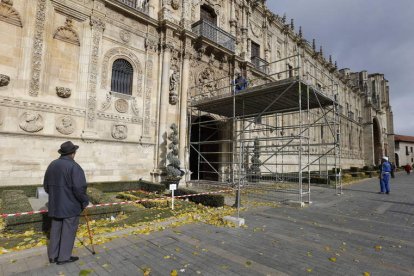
(377, 142)
(204, 151)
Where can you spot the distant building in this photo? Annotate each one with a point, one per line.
(404, 150)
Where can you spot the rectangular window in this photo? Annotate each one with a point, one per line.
(411, 149)
(255, 50)
(406, 150)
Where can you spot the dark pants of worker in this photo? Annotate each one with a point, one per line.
(384, 182)
(62, 238)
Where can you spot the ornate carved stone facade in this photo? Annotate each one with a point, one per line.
(170, 61)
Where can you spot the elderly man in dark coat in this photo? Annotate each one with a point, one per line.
(65, 183)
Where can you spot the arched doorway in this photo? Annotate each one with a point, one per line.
(377, 141)
(397, 160)
(204, 150)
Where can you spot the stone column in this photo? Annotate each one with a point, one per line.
(183, 107)
(162, 128)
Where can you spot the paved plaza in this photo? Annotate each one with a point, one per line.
(358, 233)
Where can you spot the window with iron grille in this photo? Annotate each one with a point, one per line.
(122, 73)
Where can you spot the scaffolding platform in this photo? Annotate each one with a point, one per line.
(249, 102)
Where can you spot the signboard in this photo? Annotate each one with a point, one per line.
(173, 187)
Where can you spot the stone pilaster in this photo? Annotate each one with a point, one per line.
(98, 26)
(183, 106)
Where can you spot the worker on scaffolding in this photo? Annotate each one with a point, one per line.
(240, 83)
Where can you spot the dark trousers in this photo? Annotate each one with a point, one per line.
(384, 182)
(62, 238)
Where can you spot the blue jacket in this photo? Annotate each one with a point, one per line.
(385, 167)
(65, 183)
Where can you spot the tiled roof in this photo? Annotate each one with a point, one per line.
(403, 138)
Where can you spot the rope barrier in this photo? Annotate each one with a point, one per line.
(116, 203)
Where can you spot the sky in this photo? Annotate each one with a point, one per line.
(372, 35)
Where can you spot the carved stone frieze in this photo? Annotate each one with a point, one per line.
(125, 36)
(63, 92)
(65, 125)
(122, 53)
(67, 33)
(40, 106)
(9, 14)
(119, 132)
(4, 80)
(121, 105)
(37, 48)
(118, 118)
(31, 122)
(147, 111)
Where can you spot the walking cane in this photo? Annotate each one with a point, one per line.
(89, 231)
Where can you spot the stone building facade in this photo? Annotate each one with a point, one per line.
(113, 75)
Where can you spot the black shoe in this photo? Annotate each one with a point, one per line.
(52, 261)
(387, 193)
(71, 260)
(380, 192)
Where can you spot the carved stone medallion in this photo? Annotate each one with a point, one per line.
(65, 125)
(63, 92)
(4, 80)
(125, 36)
(121, 105)
(31, 122)
(119, 132)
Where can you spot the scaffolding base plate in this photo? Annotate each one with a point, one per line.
(295, 203)
(237, 221)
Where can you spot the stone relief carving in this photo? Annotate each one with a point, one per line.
(174, 78)
(255, 29)
(107, 103)
(37, 48)
(205, 79)
(67, 33)
(9, 14)
(134, 107)
(119, 132)
(151, 44)
(31, 122)
(63, 92)
(98, 26)
(4, 80)
(121, 52)
(121, 105)
(125, 36)
(175, 4)
(65, 125)
(147, 111)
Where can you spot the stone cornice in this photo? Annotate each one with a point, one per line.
(40, 106)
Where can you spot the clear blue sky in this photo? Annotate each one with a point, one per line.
(372, 35)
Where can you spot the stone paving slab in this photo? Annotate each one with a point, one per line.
(359, 231)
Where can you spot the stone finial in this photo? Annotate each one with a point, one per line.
(292, 24)
(330, 59)
(336, 65)
(314, 45)
(284, 18)
(321, 51)
(300, 32)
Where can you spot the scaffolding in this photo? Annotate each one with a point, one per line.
(279, 135)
